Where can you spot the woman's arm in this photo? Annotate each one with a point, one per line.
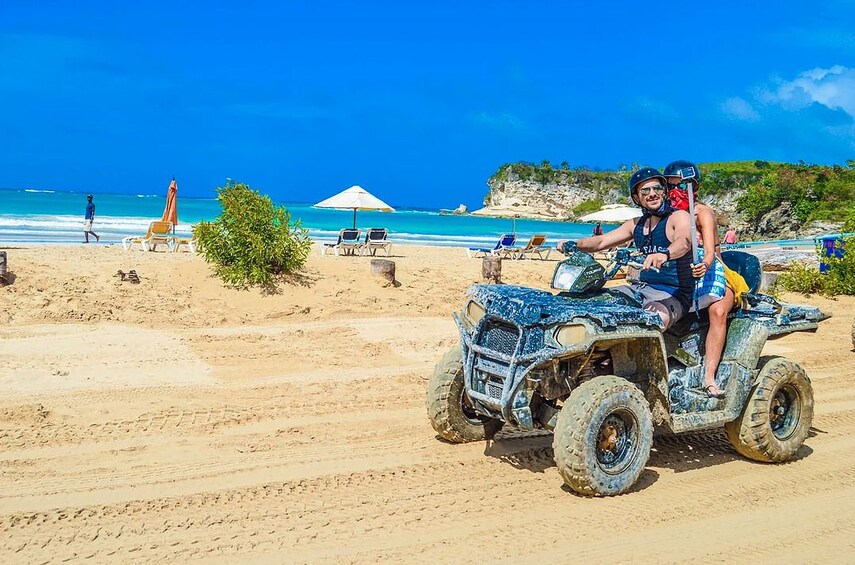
(707, 226)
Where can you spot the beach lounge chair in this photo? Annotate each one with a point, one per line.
(161, 232)
(507, 240)
(535, 246)
(158, 232)
(376, 239)
(190, 242)
(348, 242)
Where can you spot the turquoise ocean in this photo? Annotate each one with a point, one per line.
(43, 216)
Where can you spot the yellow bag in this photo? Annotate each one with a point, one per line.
(735, 282)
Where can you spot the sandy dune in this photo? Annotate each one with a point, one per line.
(176, 420)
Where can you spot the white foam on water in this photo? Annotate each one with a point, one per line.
(48, 224)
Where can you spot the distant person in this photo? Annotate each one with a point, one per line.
(730, 237)
(598, 229)
(90, 217)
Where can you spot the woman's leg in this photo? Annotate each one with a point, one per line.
(715, 338)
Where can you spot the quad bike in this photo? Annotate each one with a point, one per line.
(593, 367)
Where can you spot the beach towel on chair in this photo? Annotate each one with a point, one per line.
(711, 288)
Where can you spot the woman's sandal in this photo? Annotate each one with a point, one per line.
(133, 277)
(713, 391)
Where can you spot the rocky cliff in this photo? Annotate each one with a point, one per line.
(565, 195)
(552, 198)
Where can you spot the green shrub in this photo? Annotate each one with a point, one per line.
(841, 271)
(838, 279)
(252, 241)
(588, 206)
(802, 278)
(849, 223)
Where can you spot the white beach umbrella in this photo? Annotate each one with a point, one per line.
(612, 213)
(355, 198)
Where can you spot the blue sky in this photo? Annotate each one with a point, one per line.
(419, 102)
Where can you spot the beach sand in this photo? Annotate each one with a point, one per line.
(175, 419)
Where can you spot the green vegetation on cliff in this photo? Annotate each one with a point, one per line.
(598, 182)
(588, 206)
(545, 173)
(815, 192)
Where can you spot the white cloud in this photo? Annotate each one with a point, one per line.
(740, 109)
(833, 88)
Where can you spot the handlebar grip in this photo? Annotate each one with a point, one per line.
(640, 266)
(568, 247)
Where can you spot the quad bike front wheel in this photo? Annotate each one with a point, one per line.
(777, 416)
(603, 437)
(449, 408)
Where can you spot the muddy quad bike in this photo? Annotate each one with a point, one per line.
(590, 365)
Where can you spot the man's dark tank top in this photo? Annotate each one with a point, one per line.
(674, 276)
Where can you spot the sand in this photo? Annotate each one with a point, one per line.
(176, 420)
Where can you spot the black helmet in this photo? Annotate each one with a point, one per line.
(683, 169)
(643, 174)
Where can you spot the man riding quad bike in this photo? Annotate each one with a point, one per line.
(600, 371)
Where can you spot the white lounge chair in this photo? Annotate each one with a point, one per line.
(191, 242)
(507, 240)
(348, 242)
(376, 239)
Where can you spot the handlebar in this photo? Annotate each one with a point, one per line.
(622, 256)
(640, 266)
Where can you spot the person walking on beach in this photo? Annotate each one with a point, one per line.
(90, 217)
(598, 229)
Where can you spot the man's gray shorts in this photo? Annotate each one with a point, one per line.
(648, 295)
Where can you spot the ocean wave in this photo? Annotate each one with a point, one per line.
(50, 224)
(416, 212)
(36, 190)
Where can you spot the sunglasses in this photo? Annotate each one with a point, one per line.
(680, 185)
(645, 190)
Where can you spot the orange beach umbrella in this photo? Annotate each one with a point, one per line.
(170, 213)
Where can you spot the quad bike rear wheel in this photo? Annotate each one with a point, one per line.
(776, 418)
(603, 437)
(449, 408)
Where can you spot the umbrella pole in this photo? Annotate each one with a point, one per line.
(354, 218)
